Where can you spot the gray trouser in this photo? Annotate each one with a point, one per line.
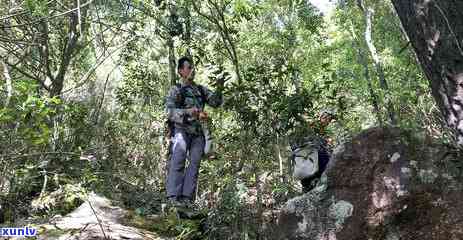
(181, 182)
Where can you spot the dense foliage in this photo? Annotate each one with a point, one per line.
(83, 87)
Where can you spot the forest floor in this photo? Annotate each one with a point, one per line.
(98, 218)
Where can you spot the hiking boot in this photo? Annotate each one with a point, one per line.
(173, 202)
(187, 202)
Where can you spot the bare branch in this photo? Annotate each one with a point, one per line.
(48, 18)
(13, 15)
(11, 156)
(360, 5)
(377, 62)
(99, 221)
(98, 63)
(198, 11)
(42, 83)
(100, 105)
(9, 85)
(44, 50)
(68, 51)
(79, 16)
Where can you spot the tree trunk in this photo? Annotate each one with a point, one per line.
(435, 30)
(9, 83)
(280, 159)
(378, 65)
(187, 34)
(172, 73)
(171, 47)
(364, 62)
(295, 78)
(77, 22)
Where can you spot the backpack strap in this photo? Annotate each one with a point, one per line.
(180, 101)
(180, 98)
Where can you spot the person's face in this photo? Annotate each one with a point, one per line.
(325, 119)
(186, 70)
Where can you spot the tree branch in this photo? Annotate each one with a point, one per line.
(377, 63)
(100, 61)
(71, 45)
(71, 11)
(9, 84)
(223, 31)
(44, 50)
(42, 83)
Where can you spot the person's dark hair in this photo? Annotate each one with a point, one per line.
(182, 60)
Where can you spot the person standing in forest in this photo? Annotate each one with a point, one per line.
(185, 110)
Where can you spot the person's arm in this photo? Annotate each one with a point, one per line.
(175, 114)
(213, 99)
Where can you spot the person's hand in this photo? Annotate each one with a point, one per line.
(330, 141)
(193, 112)
(203, 116)
(220, 81)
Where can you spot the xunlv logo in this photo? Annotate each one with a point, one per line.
(24, 231)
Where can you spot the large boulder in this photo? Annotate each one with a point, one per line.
(387, 184)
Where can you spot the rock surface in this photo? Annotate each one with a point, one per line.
(94, 219)
(384, 184)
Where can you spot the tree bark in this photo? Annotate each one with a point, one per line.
(378, 65)
(280, 159)
(363, 61)
(171, 47)
(172, 73)
(68, 50)
(9, 83)
(435, 30)
(76, 27)
(187, 34)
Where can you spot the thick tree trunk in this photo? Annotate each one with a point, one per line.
(435, 29)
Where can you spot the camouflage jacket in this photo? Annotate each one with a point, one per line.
(177, 105)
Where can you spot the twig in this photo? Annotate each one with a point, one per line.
(100, 105)
(450, 27)
(79, 17)
(48, 18)
(9, 84)
(80, 230)
(99, 221)
(42, 83)
(23, 11)
(37, 154)
(87, 75)
(404, 47)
